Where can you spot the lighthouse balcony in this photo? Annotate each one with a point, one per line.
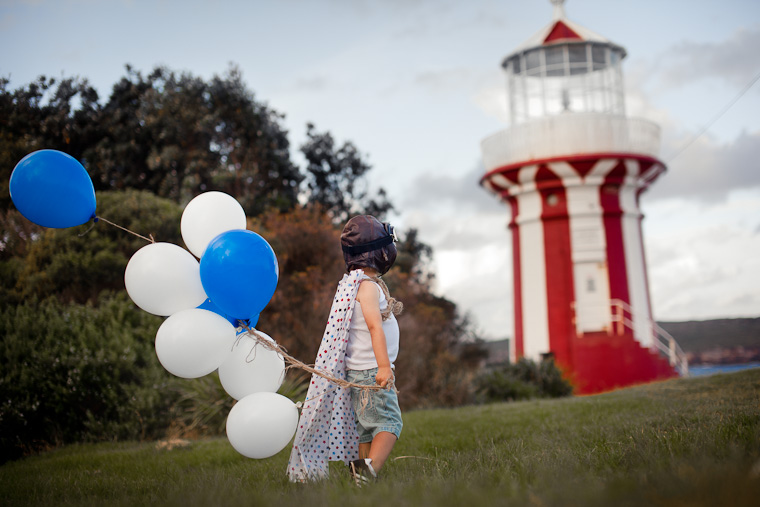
(571, 134)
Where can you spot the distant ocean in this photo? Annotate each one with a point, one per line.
(699, 370)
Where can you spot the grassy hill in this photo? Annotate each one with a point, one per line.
(694, 336)
(703, 335)
(689, 441)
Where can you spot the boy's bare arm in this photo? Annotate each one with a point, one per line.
(370, 301)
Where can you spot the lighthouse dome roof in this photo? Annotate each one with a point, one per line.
(562, 30)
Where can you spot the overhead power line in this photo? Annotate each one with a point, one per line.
(715, 118)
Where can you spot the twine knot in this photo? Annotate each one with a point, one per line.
(394, 307)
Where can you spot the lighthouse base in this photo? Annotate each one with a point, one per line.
(602, 362)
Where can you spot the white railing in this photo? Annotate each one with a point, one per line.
(571, 134)
(662, 341)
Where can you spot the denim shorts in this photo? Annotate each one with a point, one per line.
(381, 411)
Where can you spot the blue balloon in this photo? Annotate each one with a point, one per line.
(239, 272)
(210, 306)
(52, 189)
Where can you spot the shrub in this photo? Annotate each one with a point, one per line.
(74, 373)
(76, 263)
(523, 380)
(202, 404)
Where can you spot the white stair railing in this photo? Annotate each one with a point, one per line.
(622, 315)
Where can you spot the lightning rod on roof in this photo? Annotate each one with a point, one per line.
(559, 9)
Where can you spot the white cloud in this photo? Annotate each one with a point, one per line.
(670, 89)
(443, 80)
(735, 60)
(451, 191)
(466, 226)
(708, 170)
(487, 296)
(492, 100)
(702, 258)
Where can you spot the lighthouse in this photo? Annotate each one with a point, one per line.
(572, 166)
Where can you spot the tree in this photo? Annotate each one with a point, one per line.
(254, 150)
(160, 140)
(179, 136)
(431, 367)
(139, 148)
(46, 113)
(414, 258)
(337, 178)
(76, 264)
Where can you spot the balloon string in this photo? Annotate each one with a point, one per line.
(295, 363)
(149, 240)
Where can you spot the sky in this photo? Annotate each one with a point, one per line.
(416, 85)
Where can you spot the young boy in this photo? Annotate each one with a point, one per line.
(373, 343)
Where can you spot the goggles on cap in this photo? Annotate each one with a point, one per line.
(373, 245)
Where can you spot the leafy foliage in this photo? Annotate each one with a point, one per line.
(336, 178)
(202, 404)
(432, 369)
(201, 407)
(76, 264)
(60, 115)
(178, 136)
(523, 380)
(414, 258)
(74, 373)
(77, 357)
(174, 135)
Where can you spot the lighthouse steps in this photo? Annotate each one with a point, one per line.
(602, 362)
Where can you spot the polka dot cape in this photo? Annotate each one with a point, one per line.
(327, 428)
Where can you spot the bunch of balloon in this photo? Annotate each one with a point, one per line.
(205, 302)
(52, 189)
(208, 302)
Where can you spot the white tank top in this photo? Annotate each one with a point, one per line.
(359, 353)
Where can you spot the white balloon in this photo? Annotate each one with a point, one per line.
(261, 424)
(251, 368)
(207, 216)
(163, 278)
(193, 343)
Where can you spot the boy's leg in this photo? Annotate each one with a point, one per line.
(380, 449)
(364, 450)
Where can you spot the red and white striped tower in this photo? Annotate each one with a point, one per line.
(571, 167)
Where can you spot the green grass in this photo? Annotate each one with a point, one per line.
(682, 442)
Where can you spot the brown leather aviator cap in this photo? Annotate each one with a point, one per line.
(368, 243)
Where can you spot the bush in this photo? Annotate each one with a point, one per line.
(523, 380)
(202, 404)
(75, 373)
(75, 264)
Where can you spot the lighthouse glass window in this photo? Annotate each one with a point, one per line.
(573, 77)
(555, 61)
(577, 57)
(533, 63)
(599, 57)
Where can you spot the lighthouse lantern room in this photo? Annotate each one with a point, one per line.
(571, 167)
